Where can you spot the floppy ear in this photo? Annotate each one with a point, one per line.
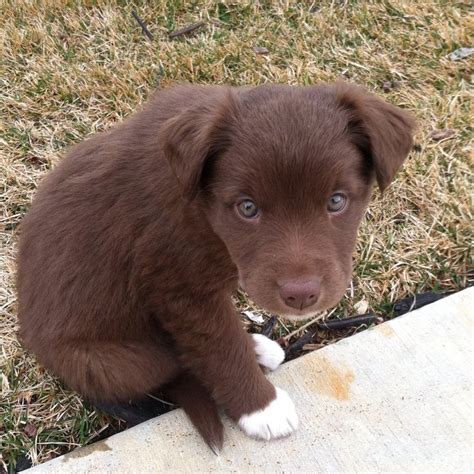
(192, 139)
(383, 132)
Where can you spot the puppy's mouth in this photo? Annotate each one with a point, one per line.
(300, 317)
(288, 314)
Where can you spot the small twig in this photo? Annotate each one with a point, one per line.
(161, 400)
(309, 323)
(300, 343)
(142, 24)
(186, 30)
(311, 347)
(344, 323)
(269, 326)
(159, 76)
(416, 301)
(281, 321)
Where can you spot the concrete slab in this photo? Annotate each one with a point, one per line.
(395, 398)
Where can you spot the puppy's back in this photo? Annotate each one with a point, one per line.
(77, 240)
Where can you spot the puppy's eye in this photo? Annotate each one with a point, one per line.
(247, 209)
(337, 202)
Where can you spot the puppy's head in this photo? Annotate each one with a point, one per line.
(284, 175)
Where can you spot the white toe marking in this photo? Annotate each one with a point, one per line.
(269, 353)
(276, 420)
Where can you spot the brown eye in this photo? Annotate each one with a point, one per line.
(247, 209)
(337, 202)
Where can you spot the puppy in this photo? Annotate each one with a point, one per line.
(136, 241)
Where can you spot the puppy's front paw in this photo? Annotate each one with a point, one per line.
(276, 420)
(269, 353)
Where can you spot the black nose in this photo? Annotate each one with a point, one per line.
(300, 294)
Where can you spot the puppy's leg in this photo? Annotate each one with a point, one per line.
(269, 353)
(213, 346)
(113, 371)
(268, 422)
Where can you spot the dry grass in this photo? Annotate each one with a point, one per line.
(70, 69)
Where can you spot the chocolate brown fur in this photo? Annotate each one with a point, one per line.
(132, 247)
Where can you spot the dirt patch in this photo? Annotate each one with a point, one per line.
(86, 451)
(385, 329)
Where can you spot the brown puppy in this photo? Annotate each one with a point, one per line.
(134, 244)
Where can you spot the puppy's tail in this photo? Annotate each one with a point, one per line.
(201, 409)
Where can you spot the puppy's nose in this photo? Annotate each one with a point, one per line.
(300, 294)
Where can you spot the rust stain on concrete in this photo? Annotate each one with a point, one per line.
(332, 381)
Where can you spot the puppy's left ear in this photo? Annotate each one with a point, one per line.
(383, 132)
(193, 139)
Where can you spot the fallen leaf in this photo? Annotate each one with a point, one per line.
(260, 50)
(254, 317)
(460, 53)
(30, 430)
(4, 384)
(36, 134)
(387, 86)
(361, 307)
(442, 134)
(25, 397)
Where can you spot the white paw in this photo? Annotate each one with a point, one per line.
(269, 353)
(278, 419)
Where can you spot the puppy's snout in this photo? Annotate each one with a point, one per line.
(300, 294)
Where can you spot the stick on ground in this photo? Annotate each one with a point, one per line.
(344, 323)
(142, 24)
(186, 30)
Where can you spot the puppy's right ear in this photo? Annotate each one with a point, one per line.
(194, 138)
